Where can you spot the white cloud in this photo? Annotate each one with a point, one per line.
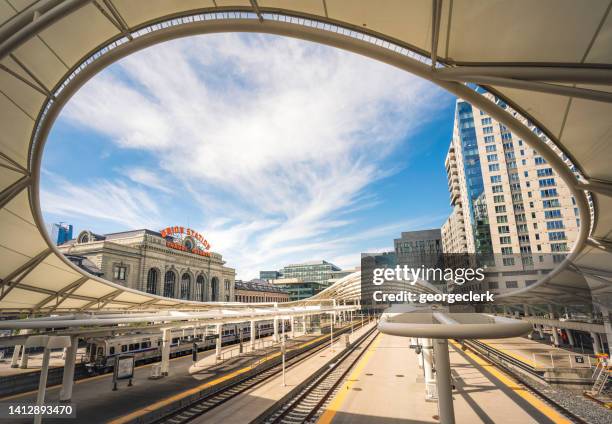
(109, 201)
(147, 178)
(277, 137)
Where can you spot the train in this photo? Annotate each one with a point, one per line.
(146, 347)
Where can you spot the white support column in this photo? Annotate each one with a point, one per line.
(570, 337)
(23, 362)
(219, 341)
(607, 322)
(252, 343)
(443, 381)
(42, 383)
(416, 342)
(165, 350)
(596, 343)
(15, 359)
(428, 368)
(555, 334)
(541, 331)
(275, 336)
(68, 376)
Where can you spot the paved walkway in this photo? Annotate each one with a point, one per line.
(96, 402)
(249, 405)
(540, 355)
(383, 388)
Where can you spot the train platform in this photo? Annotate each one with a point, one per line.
(539, 355)
(248, 406)
(384, 387)
(96, 401)
(56, 360)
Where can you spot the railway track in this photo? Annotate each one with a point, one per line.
(493, 355)
(309, 400)
(224, 394)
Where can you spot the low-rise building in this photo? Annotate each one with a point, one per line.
(258, 290)
(175, 262)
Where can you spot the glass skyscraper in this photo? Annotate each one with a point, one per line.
(61, 233)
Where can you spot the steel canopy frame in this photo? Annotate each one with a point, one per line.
(335, 33)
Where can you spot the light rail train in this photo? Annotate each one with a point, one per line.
(146, 347)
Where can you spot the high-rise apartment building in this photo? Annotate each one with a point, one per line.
(506, 198)
(61, 233)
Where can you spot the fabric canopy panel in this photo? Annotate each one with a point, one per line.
(550, 60)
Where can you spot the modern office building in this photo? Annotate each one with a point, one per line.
(506, 199)
(61, 233)
(303, 280)
(171, 264)
(298, 288)
(269, 275)
(314, 271)
(258, 290)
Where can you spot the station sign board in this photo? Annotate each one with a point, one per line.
(124, 367)
(186, 240)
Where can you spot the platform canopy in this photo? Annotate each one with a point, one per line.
(549, 60)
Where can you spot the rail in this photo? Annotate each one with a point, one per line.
(281, 410)
(494, 356)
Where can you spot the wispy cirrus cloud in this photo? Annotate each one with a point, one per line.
(103, 200)
(277, 140)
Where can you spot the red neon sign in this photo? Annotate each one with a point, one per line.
(179, 233)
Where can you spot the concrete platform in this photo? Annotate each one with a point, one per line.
(249, 405)
(96, 402)
(540, 355)
(384, 388)
(35, 362)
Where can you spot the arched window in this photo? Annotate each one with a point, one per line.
(200, 283)
(214, 289)
(152, 277)
(169, 281)
(185, 286)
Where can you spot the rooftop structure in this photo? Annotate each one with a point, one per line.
(146, 260)
(259, 291)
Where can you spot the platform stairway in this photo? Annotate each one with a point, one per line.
(602, 378)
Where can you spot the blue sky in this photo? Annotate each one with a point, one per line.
(277, 150)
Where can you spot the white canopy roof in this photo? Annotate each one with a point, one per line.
(550, 60)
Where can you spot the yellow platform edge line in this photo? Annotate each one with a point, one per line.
(336, 403)
(161, 403)
(513, 385)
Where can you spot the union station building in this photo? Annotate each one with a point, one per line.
(168, 263)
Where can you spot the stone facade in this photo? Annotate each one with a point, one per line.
(142, 260)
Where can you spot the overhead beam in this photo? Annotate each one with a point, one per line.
(103, 299)
(11, 280)
(14, 189)
(599, 187)
(34, 20)
(35, 87)
(256, 9)
(61, 295)
(14, 163)
(436, 14)
(542, 87)
(600, 243)
(563, 74)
